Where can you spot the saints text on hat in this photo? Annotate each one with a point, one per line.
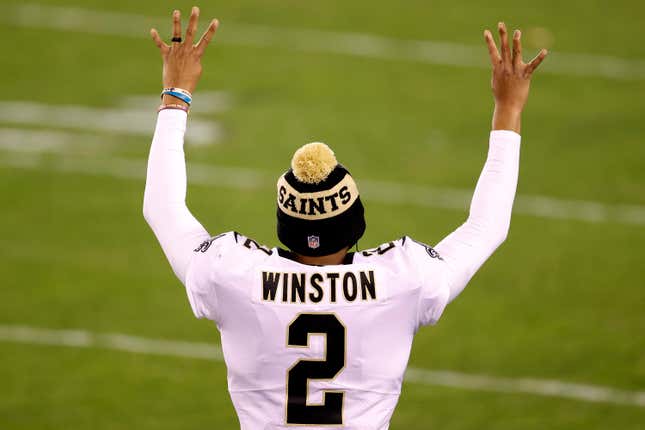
(317, 205)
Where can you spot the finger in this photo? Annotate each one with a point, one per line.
(176, 25)
(160, 43)
(207, 36)
(495, 58)
(536, 62)
(503, 36)
(192, 25)
(517, 48)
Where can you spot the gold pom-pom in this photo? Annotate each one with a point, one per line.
(313, 162)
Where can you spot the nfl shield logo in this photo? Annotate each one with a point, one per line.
(313, 242)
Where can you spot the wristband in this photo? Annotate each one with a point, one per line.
(173, 106)
(177, 90)
(178, 93)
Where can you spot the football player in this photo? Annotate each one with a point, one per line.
(313, 335)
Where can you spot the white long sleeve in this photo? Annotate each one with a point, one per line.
(464, 251)
(164, 201)
(468, 247)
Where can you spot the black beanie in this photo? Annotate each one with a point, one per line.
(319, 209)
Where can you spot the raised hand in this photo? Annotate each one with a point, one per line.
(182, 65)
(511, 78)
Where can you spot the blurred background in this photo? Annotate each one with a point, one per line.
(95, 331)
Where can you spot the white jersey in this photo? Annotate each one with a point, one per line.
(319, 346)
(316, 346)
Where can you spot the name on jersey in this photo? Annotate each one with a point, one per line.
(318, 287)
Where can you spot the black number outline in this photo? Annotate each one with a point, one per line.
(382, 249)
(300, 413)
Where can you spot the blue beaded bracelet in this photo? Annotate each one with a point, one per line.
(178, 93)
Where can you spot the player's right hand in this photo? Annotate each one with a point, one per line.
(511, 76)
(182, 66)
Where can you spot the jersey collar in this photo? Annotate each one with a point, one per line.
(349, 258)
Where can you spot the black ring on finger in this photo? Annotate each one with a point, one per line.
(176, 39)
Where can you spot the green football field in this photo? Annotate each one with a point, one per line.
(95, 331)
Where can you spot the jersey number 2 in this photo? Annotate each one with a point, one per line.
(331, 409)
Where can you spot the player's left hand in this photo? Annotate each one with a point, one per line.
(182, 65)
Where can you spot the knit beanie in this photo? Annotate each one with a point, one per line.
(319, 208)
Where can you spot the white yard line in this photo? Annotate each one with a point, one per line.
(213, 352)
(119, 342)
(377, 191)
(353, 44)
(21, 140)
(130, 121)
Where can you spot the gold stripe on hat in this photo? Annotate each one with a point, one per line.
(317, 205)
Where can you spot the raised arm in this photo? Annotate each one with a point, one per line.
(468, 247)
(164, 201)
